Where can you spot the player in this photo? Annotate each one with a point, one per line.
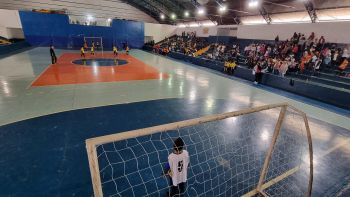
(82, 52)
(176, 170)
(85, 45)
(127, 49)
(97, 45)
(92, 50)
(115, 51)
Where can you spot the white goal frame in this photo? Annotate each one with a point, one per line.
(92, 143)
(101, 42)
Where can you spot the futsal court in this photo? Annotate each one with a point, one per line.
(44, 130)
(186, 98)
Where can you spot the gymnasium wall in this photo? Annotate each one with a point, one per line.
(200, 31)
(337, 32)
(159, 31)
(10, 24)
(44, 29)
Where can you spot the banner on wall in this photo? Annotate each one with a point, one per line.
(205, 30)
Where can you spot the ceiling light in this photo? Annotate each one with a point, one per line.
(222, 8)
(186, 14)
(162, 16)
(253, 3)
(200, 11)
(173, 16)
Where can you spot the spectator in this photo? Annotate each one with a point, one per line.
(343, 66)
(257, 73)
(277, 39)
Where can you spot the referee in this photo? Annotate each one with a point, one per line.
(53, 55)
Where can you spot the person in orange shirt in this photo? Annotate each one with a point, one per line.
(304, 60)
(343, 66)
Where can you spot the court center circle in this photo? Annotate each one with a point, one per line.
(100, 62)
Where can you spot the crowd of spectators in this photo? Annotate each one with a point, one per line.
(296, 54)
(299, 54)
(222, 52)
(187, 44)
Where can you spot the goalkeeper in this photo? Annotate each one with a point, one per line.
(176, 168)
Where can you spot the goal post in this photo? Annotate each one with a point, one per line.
(97, 40)
(231, 159)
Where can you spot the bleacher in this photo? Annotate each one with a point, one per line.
(326, 85)
(4, 41)
(8, 47)
(326, 76)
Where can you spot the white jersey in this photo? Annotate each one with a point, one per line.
(178, 166)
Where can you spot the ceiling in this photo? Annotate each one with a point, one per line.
(151, 10)
(235, 8)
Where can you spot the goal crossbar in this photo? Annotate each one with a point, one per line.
(99, 38)
(92, 143)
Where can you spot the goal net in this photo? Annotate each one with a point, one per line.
(264, 150)
(97, 41)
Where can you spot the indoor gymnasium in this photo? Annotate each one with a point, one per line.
(168, 98)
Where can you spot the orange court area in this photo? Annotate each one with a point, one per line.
(65, 72)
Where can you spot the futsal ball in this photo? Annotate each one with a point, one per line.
(202, 2)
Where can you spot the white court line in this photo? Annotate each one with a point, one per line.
(292, 171)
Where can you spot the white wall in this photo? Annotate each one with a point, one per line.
(10, 24)
(206, 31)
(10, 18)
(200, 31)
(3, 32)
(227, 32)
(338, 32)
(15, 33)
(159, 31)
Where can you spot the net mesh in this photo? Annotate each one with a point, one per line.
(226, 158)
(97, 42)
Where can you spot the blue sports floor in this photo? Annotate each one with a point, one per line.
(43, 130)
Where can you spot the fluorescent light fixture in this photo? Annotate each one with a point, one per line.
(200, 11)
(173, 16)
(194, 25)
(222, 8)
(208, 24)
(162, 16)
(253, 3)
(186, 14)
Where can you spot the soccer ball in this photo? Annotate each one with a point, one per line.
(202, 2)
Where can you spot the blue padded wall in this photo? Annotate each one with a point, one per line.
(42, 29)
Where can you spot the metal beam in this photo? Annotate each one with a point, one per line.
(159, 6)
(265, 15)
(309, 6)
(143, 6)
